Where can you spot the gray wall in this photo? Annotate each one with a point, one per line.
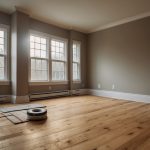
(69, 35)
(20, 25)
(5, 18)
(120, 56)
(19, 53)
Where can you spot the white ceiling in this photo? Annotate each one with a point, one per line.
(82, 15)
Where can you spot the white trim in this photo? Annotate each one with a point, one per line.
(122, 21)
(120, 95)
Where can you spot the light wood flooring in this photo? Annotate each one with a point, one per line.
(82, 123)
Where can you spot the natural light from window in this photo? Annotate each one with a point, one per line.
(76, 61)
(39, 58)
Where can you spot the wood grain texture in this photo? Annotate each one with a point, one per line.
(82, 123)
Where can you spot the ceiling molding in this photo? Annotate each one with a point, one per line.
(122, 21)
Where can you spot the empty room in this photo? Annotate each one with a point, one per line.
(74, 74)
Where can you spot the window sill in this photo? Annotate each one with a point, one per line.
(77, 81)
(58, 82)
(49, 83)
(4, 82)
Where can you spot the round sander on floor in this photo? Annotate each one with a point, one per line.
(37, 114)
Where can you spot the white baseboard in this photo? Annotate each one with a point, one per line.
(120, 95)
(20, 99)
(110, 94)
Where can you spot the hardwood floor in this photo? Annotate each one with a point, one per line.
(82, 123)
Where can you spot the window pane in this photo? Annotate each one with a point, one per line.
(76, 52)
(43, 41)
(57, 44)
(32, 45)
(37, 39)
(43, 54)
(58, 71)
(37, 53)
(62, 45)
(32, 52)
(58, 50)
(53, 42)
(76, 61)
(1, 40)
(32, 64)
(3, 52)
(1, 68)
(1, 73)
(39, 69)
(44, 75)
(38, 47)
(1, 62)
(1, 49)
(2, 34)
(38, 64)
(44, 65)
(32, 38)
(61, 50)
(43, 47)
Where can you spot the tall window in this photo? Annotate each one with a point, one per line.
(76, 61)
(59, 60)
(3, 54)
(39, 58)
(48, 57)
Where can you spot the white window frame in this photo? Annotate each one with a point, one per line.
(78, 63)
(41, 35)
(65, 41)
(49, 81)
(5, 81)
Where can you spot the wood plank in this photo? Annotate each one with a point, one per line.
(82, 123)
(14, 119)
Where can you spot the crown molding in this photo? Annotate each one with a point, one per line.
(122, 21)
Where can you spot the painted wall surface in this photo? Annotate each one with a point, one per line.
(23, 46)
(69, 35)
(120, 56)
(5, 19)
(21, 24)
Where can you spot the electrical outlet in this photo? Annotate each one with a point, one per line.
(113, 87)
(49, 87)
(99, 85)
